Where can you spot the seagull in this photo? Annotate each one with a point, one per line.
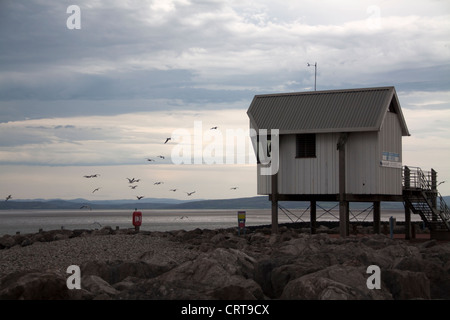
(159, 182)
(133, 187)
(189, 193)
(95, 190)
(92, 176)
(137, 180)
(139, 197)
(173, 190)
(8, 197)
(131, 180)
(213, 128)
(167, 139)
(233, 188)
(148, 159)
(162, 157)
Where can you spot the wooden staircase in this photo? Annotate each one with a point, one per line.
(420, 195)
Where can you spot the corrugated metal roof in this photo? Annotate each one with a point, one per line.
(325, 111)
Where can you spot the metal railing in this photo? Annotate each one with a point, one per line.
(416, 178)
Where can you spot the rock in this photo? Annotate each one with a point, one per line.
(34, 285)
(406, 284)
(437, 275)
(103, 231)
(7, 241)
(219, 264)
(244, 291)
(333, 283)
(164, 261)
(26, 242)
(281, 275)
(115, 271)
(99, 287)
(217, 273)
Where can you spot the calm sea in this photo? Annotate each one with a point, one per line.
(30, 221)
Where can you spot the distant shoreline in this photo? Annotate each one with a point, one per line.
(256, 202)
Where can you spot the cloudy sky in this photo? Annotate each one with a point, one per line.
(103, 98)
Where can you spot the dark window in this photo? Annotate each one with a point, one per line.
(306, 146)
(266, 148)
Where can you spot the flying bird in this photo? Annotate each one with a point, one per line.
(133, 180)
(148, 159)
(213, 128)
(139, 197)
(189, 193)
(8, 197)
(96, 190)
(92, 176)
(173, 190)
(162, 157)
(233, 188)
(159, 182)
(133, 187)
(86, 207)
(167, 139)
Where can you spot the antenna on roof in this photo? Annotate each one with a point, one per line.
(315, 73)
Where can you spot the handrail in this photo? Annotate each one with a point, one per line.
(415, 177)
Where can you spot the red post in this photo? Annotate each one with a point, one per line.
(137, 220)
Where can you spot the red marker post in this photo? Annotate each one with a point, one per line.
(137, 220)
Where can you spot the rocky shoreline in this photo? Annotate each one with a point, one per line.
(220, 264)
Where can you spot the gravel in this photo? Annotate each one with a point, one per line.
(60, 254)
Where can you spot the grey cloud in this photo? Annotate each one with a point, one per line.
(45, 67)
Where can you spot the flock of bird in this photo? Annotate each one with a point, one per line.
(133, 181)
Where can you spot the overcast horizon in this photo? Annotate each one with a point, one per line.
(102, 99)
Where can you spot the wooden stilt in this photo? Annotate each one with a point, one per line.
(376, 217)
(275, 203)
(313, 211)
(343, 204)
(407, 223)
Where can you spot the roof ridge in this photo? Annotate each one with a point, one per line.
(320, 92)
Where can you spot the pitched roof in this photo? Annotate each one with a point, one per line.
(346, 110)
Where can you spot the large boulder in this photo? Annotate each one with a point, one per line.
(221, 273)
(406, 284)
(336, 282)
(101, 289)
(33, 285)
(117, 270)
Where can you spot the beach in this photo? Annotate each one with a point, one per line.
(220, 264)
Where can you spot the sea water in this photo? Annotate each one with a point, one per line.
(30, 221)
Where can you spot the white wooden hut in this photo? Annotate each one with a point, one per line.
(341, 145)
(334, 145)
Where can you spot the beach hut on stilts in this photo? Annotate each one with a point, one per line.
(341, 146)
